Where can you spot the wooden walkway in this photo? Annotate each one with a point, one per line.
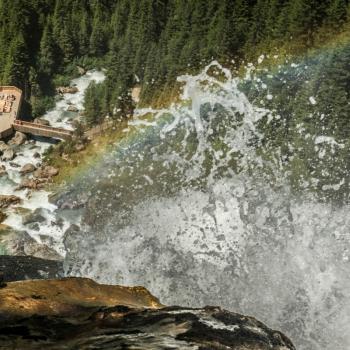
(42, 130)
(9, 122)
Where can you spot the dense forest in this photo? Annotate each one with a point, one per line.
(146, 41)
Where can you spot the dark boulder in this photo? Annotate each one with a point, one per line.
(17, 268)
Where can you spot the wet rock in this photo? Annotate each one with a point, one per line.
(48, 240)
(17, 268)
(3, 146)
(59, 223)
(42, 121)
(12, 242)
(81, 70)
(2, 280)
(14, 165)
(3, 216)
(3, 171)
(33, 184)
(21, 211)
(35, 216)
(57, 197)
(71, 239)
(71, 205)
(72, 229)
(46, 172)
(73, 108)
(67, 199)
(34, 226)
(27, 169)
(7, 201)
(70, 234)
(19, 243)
(74, 313)
(8, 155)
(67, 89)
(41, 251)
(36, 155)
(18, 139)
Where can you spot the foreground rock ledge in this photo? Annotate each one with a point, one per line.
(77, 313)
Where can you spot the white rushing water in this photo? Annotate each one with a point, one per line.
(193, 212)
(31, 199)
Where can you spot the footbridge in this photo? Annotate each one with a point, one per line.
(41, 130)
(10, 104)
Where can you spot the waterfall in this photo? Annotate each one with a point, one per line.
(195, 207)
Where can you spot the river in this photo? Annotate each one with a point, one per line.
(31, 199)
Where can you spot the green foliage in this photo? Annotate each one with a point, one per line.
(309, 132)
(41, 104)
(153, 40)
(94, 110)
(124, 107)
(16, 68)
(48, 53)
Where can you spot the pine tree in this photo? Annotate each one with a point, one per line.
(84, 35)
(336, 13)
(48, 52)
(16, 68)
(98, 38)
(239, 26)
(92, 106)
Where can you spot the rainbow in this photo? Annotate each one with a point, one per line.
(130, 140)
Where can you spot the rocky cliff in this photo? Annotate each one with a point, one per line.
(77, 313)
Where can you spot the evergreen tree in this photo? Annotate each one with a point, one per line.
(48, 52)
(92, 105)
(98, 39)
(16, 68)
(155, 40)
(336, 13)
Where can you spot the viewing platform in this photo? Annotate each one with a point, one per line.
(10, 104)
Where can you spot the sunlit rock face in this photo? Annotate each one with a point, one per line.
(81, 314)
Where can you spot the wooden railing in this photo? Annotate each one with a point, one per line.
(8, 88)
(42, 130)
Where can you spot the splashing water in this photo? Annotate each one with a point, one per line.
(190, 207)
